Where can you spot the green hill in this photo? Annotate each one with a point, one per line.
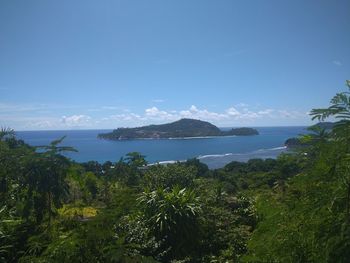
(178, 129)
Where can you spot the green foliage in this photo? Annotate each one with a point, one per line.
(159, 176)
(172, 217)
(202, 168)
(127, 174)
(226, 228)
(340, 110)
(6, 133)
(292, 209)
(181, 128)
(91, 183)
(135, 159)
(94, 167)
(45, 178)
(77, 212)
(308, 221)
(340, 107)
(178, 129)
(243, 131)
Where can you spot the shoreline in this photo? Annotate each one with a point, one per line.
(215, 161)
(177, 138)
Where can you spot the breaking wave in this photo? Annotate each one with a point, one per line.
(220, 160)
(259, 151)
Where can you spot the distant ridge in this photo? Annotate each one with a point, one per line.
(296, 142)
(179, 129)
(325, 125)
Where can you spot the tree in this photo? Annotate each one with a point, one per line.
(135, 159)
(91, 183)
(173, 217)
(309, 221)
(340, 110)
(202, 168)
(169, 176)
(46, 172)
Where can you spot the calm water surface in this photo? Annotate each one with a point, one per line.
(215, 152)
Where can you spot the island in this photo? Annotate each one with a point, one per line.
(183, 128)
(325, 125)
(295, 142)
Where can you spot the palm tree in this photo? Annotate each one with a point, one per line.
(339, 109)
(6, 132)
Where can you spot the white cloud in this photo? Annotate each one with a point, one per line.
(291, 114)
(43, 124)
(202, 114)
(155, 113)
(337, 63)
(232, 112)
(123, 117)
(19, 122)
(231, 116)
(34, 117)
(265, 112)
(241, 105)
(76, 120)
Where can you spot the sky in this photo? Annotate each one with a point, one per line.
(105, 64)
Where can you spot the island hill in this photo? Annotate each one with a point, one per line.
(179, 129)
(297, 143)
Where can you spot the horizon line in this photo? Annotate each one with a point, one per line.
(94, 129)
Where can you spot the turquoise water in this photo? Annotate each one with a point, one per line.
(215, 152)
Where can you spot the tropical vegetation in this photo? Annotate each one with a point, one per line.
(178, 129)
(295, 208)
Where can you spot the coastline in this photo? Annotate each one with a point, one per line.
(176, 138)
(215, 161)
(224, 148)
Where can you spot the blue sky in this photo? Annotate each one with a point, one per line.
(105, 64)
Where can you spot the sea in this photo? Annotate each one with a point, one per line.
(216, 152)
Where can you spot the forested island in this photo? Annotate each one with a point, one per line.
(295, 208)
(179, 129)
(319, 128)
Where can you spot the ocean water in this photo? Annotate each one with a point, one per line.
(214, 151)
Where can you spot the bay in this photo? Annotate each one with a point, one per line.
(214, 151)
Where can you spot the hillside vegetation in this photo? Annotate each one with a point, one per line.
(295, 208)
(178, 129)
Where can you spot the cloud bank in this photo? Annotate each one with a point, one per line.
(31, 117)
(230, 117)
